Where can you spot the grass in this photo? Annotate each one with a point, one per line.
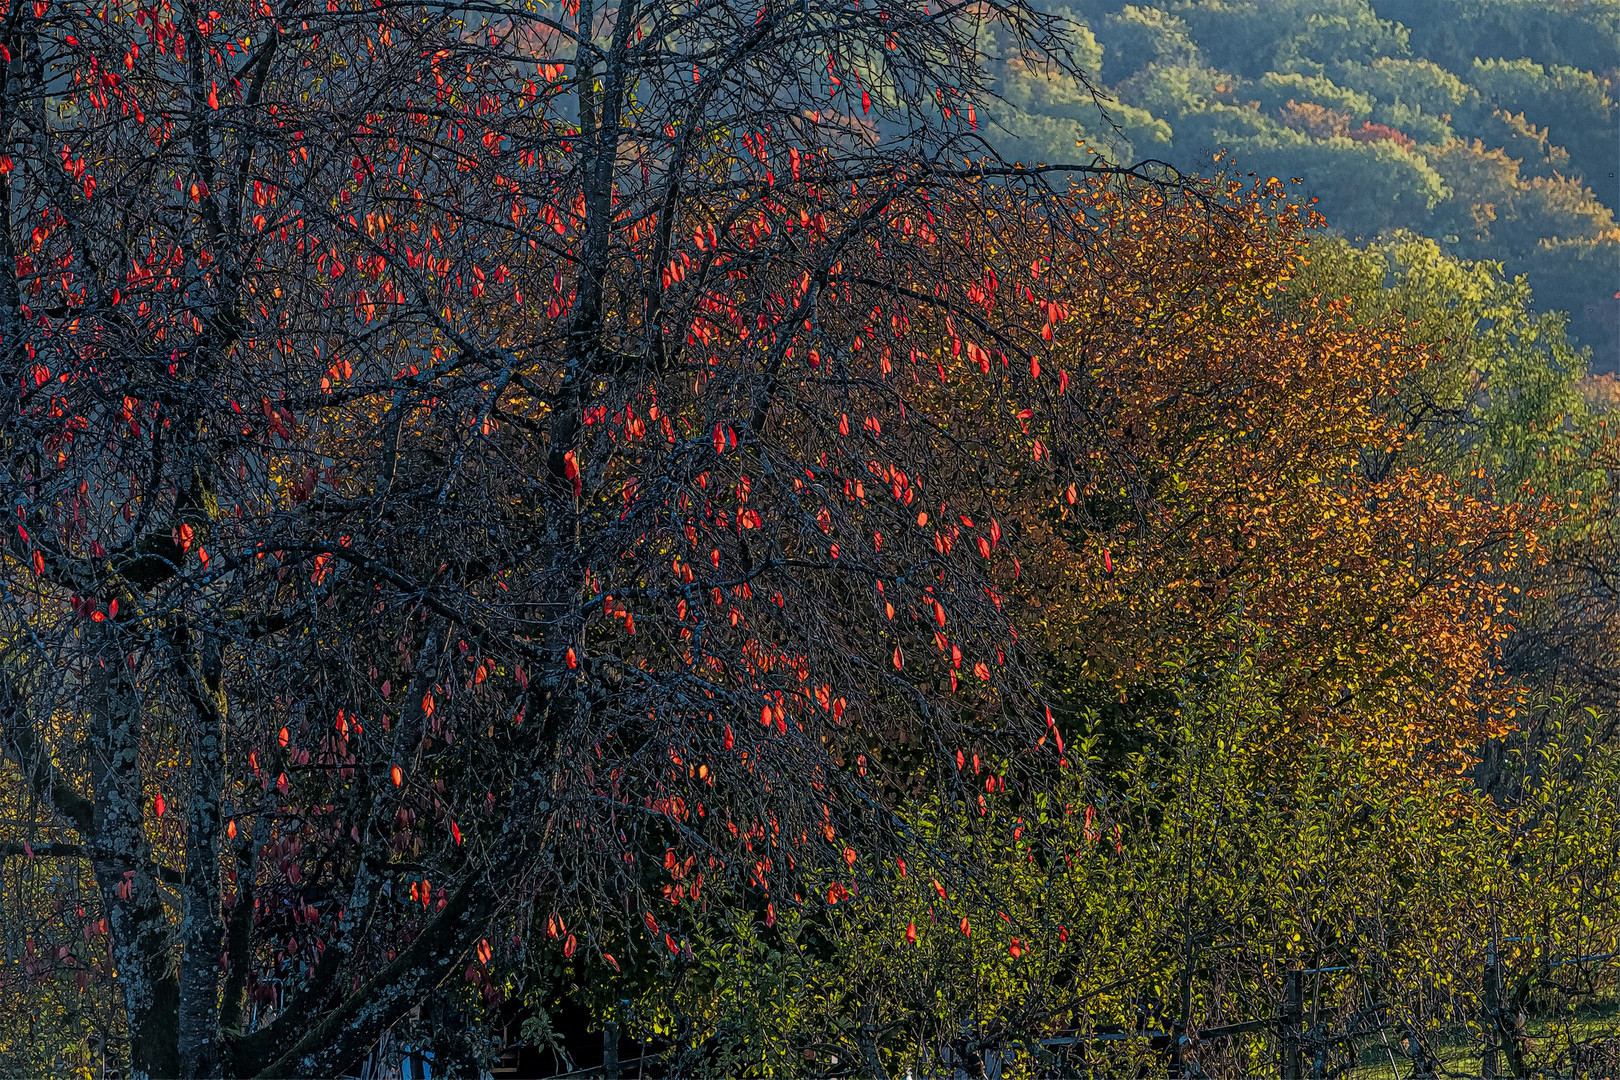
(1460, 1055)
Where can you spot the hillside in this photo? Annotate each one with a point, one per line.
(1488, 125)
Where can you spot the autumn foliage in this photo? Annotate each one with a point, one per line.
(1280, 490)
(489, 491)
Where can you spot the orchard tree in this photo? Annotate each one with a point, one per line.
(1279, 485)
(472, 463)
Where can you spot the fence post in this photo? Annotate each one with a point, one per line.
(1493, 1008)
(610, 1050)
(1293, 1011)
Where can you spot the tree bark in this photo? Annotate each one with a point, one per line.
(138, 929)
(202, 929)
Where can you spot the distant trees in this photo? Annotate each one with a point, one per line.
(1244, 77)
(1576, 107)
(1454, 32)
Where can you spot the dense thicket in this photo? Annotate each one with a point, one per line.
(1490, 126)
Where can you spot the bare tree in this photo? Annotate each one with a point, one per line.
(460, 454)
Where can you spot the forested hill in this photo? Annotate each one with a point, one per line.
(1489, 125)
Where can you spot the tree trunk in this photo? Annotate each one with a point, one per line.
(137, 926)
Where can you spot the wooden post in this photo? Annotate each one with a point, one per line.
(1293, 1011)
(610, 1050)
(1493, 1009)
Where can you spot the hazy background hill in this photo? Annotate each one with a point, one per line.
(1488, 125)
